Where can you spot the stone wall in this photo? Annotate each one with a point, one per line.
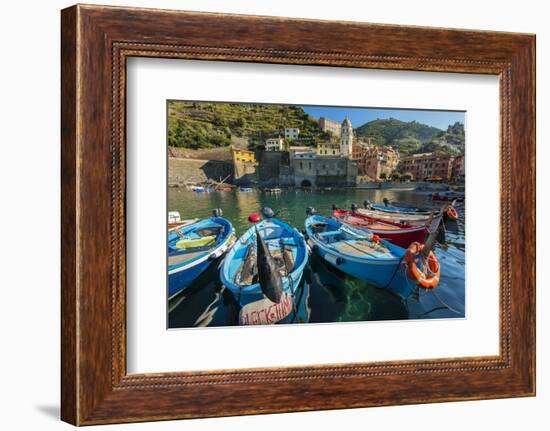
(269, 169)
(222, 153)
(245, 173)
(219, 153)
(181, 170)
(324, 171)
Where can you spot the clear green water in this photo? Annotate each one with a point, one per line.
(328, 294)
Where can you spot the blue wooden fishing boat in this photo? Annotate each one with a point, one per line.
(240, 272)
(399, 209)
(193, 248)
(373, 260)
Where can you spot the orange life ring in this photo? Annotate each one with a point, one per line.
(452, 212)
(427, 282)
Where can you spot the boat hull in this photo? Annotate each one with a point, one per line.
(401, 236)
(181, 275)
(178, 281)
(388, 273)
(395, 217)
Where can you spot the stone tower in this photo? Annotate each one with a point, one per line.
(346, 138)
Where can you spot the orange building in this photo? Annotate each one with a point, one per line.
(428, 166)
(459, 169)
(373, 161)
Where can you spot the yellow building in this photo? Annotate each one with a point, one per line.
(328, 149)
(244, 156)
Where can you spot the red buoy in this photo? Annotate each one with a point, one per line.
(254, 218)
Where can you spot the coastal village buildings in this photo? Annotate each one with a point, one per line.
(328, 125)
(333, 164)
(274, 144)
(328, 149)
(312, 171)
(373, 162)
(244, 166)
(300, 149)
(459, 169)
(301, 166)
(428, 166)
(241, 155)
(292, 133)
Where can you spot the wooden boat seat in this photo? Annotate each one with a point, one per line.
(382, 226)
(191, 243)
(183, 257)
(360, 248)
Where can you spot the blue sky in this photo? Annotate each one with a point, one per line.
(360, 116)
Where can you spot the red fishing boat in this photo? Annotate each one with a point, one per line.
(398, 233)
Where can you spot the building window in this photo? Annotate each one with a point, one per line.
(301, 165)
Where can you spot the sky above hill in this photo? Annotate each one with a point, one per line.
(360, 116)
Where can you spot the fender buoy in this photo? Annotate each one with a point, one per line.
(452, 213)
(254, 218)
(427, 282)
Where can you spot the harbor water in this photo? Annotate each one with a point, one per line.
(325, 294)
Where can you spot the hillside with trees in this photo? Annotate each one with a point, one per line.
(197, 125)
(414, 137)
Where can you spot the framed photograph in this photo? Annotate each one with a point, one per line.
(329, 214)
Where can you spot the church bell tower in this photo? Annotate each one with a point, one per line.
(346, 138)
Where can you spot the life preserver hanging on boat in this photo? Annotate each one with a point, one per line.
(426, 281)
(452, 213)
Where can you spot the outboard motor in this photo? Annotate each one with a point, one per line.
(334, 207)
(354, 207)
(366, 203)
(310, 211)
(267, 212)
(386, 201)
(217, 212)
